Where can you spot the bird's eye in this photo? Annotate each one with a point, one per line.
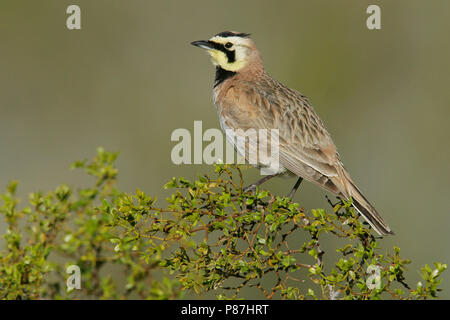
(228, 45)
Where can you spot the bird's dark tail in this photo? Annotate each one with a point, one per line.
(371, 215)
(349, 189)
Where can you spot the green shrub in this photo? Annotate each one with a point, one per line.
(209, 237)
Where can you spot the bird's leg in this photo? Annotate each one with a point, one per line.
(294, 189)
(253, 186)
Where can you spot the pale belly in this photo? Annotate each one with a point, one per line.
(275, 167)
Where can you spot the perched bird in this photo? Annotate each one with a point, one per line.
(246, 97)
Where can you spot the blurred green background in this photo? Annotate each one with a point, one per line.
(130, 77)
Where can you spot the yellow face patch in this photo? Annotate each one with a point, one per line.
(219, 58)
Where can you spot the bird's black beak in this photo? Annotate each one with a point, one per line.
(204, 44)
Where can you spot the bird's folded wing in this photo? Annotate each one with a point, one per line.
(304, 139)
(305, 147)
(296, 158)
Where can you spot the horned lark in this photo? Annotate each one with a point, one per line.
(246, 97)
